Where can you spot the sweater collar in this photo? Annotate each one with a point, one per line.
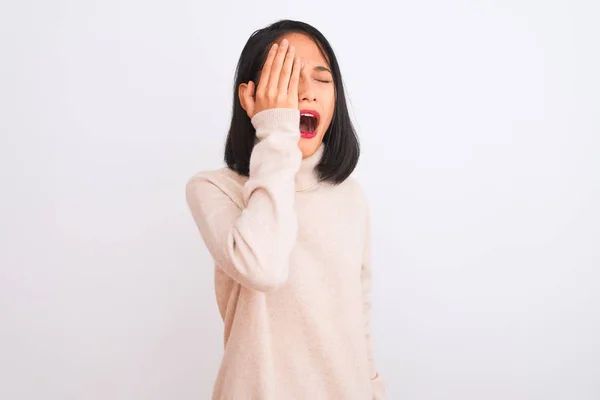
(307, 176)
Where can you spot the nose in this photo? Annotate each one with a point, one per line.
(306, 90)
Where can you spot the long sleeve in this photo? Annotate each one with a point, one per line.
(252, 243)
(377, 383)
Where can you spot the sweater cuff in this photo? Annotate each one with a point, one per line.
(378, 387)
(287, 119)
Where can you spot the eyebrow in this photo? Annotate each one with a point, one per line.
(322, 68)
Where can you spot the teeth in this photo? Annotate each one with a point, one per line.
(307, 115)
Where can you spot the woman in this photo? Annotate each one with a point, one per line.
(288, 229)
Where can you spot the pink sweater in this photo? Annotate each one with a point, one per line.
(292, 273)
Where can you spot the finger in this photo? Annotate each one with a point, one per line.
(286, 70)
(249, 98)
(266, 70)
(276, 68)
(294, 79)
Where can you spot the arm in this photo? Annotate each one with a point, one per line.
(252, 241)
(252, 245)
(377, 383)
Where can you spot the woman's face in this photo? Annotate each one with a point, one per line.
(316, 92)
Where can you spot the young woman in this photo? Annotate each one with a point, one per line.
(289, 230)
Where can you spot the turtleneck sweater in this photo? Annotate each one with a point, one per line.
(292, 273)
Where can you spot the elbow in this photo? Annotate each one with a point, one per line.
(263, 271)
(267, 281)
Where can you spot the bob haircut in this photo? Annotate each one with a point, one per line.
(341, 150)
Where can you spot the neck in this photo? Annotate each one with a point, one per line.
(307, 178)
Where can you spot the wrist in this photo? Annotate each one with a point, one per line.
(287, 119)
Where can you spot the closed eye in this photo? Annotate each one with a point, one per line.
(322, 81)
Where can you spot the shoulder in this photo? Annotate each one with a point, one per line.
(218, 177)
(222, 182)
(354, 190)
(353, 196)
(356, 203)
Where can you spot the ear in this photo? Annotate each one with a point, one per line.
(241, 94)
(246, 96)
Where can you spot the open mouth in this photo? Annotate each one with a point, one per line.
(309, 120)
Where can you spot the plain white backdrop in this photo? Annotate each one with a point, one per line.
(480, 126)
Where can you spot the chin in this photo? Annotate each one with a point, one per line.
(309, 146)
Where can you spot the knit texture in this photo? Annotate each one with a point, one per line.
(292, 273)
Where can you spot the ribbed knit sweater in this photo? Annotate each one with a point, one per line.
(292, 273)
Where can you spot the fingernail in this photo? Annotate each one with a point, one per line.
(284, 41)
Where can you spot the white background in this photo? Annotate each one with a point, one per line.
(480, 124)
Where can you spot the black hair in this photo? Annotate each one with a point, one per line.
(341, 150)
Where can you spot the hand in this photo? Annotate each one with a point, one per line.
(278, 82)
